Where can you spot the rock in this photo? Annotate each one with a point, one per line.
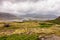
(6, 25)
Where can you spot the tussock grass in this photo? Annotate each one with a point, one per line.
(28, 27)
(20, 37)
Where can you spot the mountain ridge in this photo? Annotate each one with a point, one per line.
(39, 16)
(6, 16)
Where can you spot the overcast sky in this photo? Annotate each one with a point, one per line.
(30, 6)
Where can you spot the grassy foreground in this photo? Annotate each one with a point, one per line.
(29, 30)
(20, 37)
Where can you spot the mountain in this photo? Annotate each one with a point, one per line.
(58, 18)
(55, 21)
(39, 16)
(7, 16)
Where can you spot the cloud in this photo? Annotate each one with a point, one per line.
(31, 6)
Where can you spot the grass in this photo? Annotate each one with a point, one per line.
(28, 24)
(20, 37)
(26, 27)
(45, 25)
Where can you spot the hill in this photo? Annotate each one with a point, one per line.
(56, 21)
(6, 16)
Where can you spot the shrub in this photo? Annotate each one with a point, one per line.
(6, 25)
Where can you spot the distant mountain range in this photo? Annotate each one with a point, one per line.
(6, 16)
(9, 16)
(39, 16)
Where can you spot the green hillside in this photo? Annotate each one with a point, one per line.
(55, 21)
